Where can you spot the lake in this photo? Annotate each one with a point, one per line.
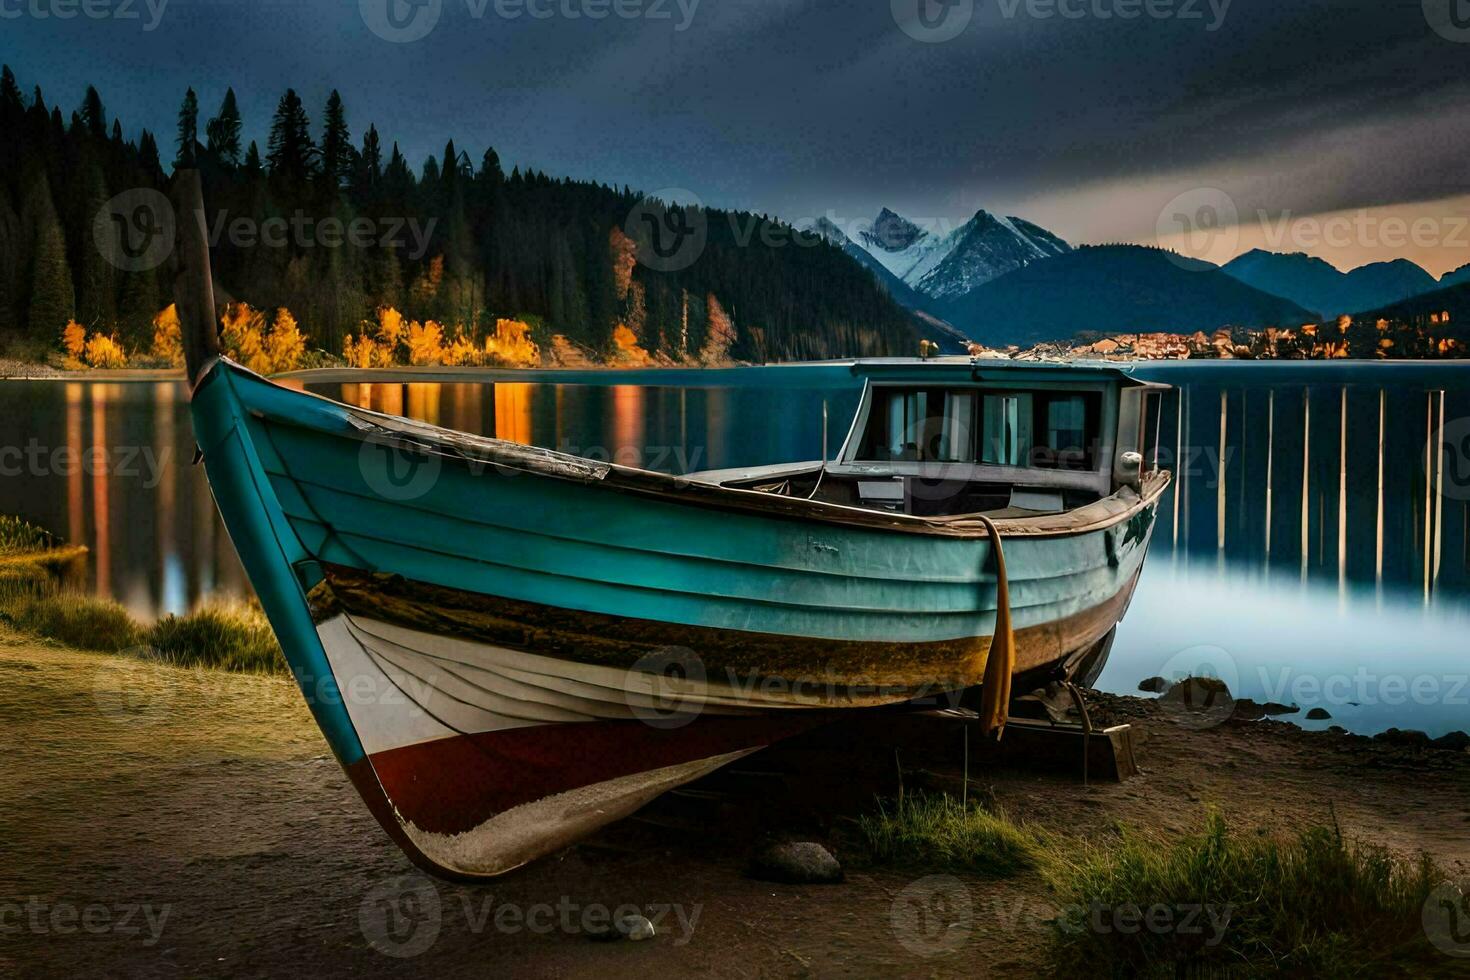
(1315, 549)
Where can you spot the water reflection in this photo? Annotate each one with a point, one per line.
(1341, 484)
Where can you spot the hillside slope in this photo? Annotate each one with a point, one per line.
(1114, 289)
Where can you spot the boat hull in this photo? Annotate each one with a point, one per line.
(504, 657)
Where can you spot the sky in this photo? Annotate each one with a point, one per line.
(1334, 127)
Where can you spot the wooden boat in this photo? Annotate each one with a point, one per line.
(507, 647)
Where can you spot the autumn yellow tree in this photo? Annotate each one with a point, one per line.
(511, 344)
(390, 329)
(461, 349)
(103, 351)
(285, 346)
(626, 350)
(74, 339)
(242, 337)
(624, 254)
(721, 335)
(168, 344)
(360, 352)
(425, 343)
(98, 350)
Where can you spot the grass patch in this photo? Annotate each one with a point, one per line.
(1314, 904)
(18, 537)
(227, 635)
(22, 581)
(75, 620)
(934, 830)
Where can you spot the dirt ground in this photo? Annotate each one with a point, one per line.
(165, 822)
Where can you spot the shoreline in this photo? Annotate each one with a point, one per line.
(1435, 371)
(220, 803)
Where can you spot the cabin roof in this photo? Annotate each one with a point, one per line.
(964, 370)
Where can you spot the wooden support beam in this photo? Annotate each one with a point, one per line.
(193, 284)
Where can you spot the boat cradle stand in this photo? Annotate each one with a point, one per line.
(1045, 745)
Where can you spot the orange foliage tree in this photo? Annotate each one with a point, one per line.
(104, 352)
(168, 344)
(626, 349)
(511, 344)
(721, 335)
(425, 343)
(244, 338)
(286, 346)
(74, 339)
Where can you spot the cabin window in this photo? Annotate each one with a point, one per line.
(1043, 430)
(1006, 437)
(924, 425)
(1034, 429)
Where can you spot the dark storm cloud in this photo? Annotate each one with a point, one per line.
(802, 108)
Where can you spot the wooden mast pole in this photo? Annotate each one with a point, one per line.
(193, 285)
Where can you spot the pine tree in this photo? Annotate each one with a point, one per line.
(12, 121)
(137, 306)
(491, 176)
(291, 155)
(336, 144)
(450, 173)
(148, 156)
(96, 280)
(253, 166)
(223, 131)
(52, 297)
(397, 178)
(93, 115)
(12, 102)
(11, 259)
(368, 172)
(188, 138)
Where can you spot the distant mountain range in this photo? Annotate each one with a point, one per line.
(1113, 289)
(1320, 286)
(1004, 280)
(1456, 278)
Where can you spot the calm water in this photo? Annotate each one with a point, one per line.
(1315, 550)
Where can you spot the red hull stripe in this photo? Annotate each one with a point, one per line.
(452, 785)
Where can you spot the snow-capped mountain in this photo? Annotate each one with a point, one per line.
(942, 262)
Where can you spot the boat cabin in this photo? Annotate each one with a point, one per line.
(951, 437)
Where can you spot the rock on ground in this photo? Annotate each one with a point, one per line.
(795, 863)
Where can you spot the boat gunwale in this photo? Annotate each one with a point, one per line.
(399, 432)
